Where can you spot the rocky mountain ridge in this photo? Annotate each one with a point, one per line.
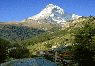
(53, 14)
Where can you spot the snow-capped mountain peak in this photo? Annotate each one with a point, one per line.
(54, 14)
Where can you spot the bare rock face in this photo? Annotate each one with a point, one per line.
(54, 14)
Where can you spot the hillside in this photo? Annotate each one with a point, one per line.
(60, 37)
(13, 31)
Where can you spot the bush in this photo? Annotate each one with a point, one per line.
(19, 53)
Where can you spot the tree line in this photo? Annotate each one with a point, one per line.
(15, 33)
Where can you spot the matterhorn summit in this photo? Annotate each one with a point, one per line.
(54, 14)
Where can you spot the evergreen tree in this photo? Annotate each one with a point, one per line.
(3, 49)
(84, 50)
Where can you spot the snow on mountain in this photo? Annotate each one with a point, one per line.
(54, 15)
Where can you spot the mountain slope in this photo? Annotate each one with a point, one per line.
(54, 14)
(64, 37)
(15, 32)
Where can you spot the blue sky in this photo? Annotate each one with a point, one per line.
(16, 10)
